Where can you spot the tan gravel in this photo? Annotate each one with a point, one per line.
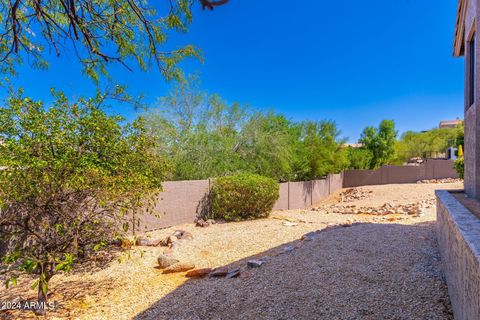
(377, 269)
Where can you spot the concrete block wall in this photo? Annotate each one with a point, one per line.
(431, 169)
(180, 202)
(458, 234)
(183, 201)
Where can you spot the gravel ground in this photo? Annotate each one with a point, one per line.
(379, 268)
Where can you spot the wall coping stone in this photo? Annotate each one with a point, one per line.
(464, 220)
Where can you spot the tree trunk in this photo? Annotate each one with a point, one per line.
(42, 300)
(43, 293)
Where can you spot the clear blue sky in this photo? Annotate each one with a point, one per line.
(355, 62)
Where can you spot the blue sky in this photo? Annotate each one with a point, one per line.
(354, 62)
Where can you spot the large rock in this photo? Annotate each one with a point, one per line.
(165, 261)
(179, 267)
(198, 273)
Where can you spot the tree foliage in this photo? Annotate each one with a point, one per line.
(359, 158)
(380, 142)
(70, 177)
(429, 143)
(202, 136)
(99, 32)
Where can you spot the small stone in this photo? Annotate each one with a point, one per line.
(165, 261)
(201, 223)
(308, 236)
(211, 221)
(287, 249)
(290, 224)
(255, 263)
(183, 235)
(142, 242)
(198, 273)
(179, 267)
(219, 272)
(233, 273)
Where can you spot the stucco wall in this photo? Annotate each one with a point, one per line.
(432, 169)
(472, 116)
(458, 233)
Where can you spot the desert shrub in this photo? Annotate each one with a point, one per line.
(70, 176)
(459, 167)
(243, 196)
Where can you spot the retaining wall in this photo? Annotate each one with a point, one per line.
(431, 169)
(183, 201)
(458, 234)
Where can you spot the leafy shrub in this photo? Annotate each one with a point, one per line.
(71, 174)
(243, 196)
(459, 167)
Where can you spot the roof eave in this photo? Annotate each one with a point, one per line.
(458, 43)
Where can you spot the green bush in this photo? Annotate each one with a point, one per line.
(243, 196)
(459, 166)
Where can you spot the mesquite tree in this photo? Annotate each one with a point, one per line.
(70, 176)
(98, 32)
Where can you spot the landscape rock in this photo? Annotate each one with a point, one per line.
(201, 223)
(142, 242)
(233, 273)
(219, 272)
(353, 194)
(166, 261)
(308, 236)
(183, 235)
(179, 267)
(290, 224)
(198, 273)
(211, 221)
(255, 263)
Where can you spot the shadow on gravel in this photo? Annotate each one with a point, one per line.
(365, 271)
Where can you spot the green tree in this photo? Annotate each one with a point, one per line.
(380, 142)
(320, 150)
(70, 177)
(359, 158)
(99, 32)
(429, 143)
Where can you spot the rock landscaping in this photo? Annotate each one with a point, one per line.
(447, 180)
(345, 259)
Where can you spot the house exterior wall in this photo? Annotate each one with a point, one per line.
(472, 115)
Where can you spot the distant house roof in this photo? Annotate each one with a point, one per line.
(449, 123)
(353, 145)
(458, 42)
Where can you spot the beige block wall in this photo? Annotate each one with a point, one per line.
(282, 202)
(458, 234)
(182, 201)
(432, 169)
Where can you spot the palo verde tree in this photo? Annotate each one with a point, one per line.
(380, 142)
(70, 176)
(99, 32)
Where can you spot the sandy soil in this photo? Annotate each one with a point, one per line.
(381, 267)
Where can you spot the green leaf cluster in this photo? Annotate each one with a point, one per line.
(70, 175)
(242, 197)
